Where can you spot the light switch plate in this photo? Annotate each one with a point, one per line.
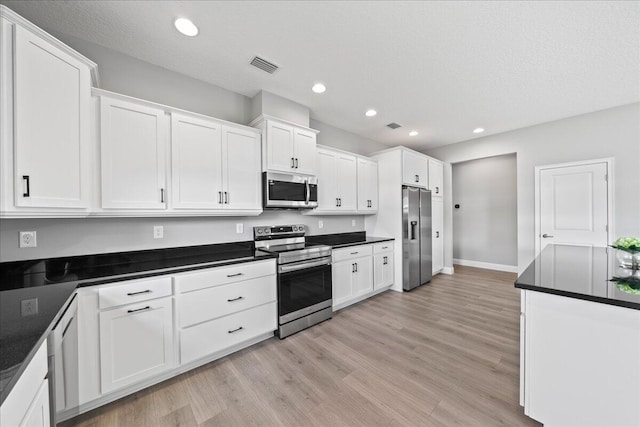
(158, 232)
(239, 228)
(28, 239)
(29, 307)
(320, 223)
(353, 222)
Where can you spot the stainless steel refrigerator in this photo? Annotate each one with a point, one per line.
(416, 237)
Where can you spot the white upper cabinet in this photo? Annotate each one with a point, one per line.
(289, 148)
(436, 177)
(242, 178)
(414, 169)
(367, 186)
(214, 166)
(133, 143)
(337, 187)
(44, 122)
(196, 163)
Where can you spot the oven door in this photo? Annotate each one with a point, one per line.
(303, 288)
(289, 191)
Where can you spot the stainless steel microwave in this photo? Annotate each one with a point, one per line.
(286, 191)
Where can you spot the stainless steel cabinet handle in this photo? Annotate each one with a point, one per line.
(235, 299)
(353, 267)
(437, 234)
(219, 196)
(293, 163)
(296, 163)
(356, 267)
(139, 309)
(226, 197)
(162, 195)
(234, 275)
(437, 190)
(385, 247)
(146, 291)
(28, 190)
(546, 236)
(354, 253)
(339, 201)
(417, 178)
(233, 331)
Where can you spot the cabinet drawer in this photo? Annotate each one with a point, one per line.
(134, 291)
(206, 304)
(352, 252)
(210, 337)
(379, 248)
(222, 275)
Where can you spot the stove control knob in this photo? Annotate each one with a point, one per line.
(259, 230)
(295, 228)
(267, 231)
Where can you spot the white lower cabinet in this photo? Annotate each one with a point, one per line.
(382, 265)
(356, 274)
(136, 342)
(28, 402)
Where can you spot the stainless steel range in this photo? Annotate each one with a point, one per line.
(304, 276)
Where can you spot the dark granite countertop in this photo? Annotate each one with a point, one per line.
(579, 272)
(53, 282)
(343, 240)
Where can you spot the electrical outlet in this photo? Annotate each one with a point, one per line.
(29, 307)
(353, 222)
(28, 239)
(239, 228)
(320, 223)
(158, 232)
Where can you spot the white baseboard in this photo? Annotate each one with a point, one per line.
(487, 265)
(447, 270)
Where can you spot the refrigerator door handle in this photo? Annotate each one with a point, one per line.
(414, 224)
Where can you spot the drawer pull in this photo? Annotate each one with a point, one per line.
(235, 299)
(233, 331)
(139, 309)
(354, 253)
(148, 291)
(385, 247)
(234, 275)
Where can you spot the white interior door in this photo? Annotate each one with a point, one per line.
(573, 204)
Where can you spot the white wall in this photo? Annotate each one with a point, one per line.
(485, 226)
(613, 133)
(345, 140)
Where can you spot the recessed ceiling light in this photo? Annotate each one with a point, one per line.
(478, 130)
(413, 133)
(319, 88)
(370, 113)
(186, 27)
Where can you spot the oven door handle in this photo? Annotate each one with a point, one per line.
(295, 267)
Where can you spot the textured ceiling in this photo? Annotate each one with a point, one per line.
(441, 68)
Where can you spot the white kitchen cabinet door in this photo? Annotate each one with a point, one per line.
(133, 144)
(363, 278)
(196, 160)
(414, 169)
(241, 169)
(367, 185)
(327, 176)
(437, 214)
(38, 413)
(51, 118)
(342, 277)
(383, 270)
(305, 151)
(436, 177)
(279, 147)
(346, 184)
(136, 343)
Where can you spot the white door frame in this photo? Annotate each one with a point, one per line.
(610, 199)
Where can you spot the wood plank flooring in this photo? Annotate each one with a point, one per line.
(444, 354)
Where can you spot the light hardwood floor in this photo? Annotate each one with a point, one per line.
(444, 354)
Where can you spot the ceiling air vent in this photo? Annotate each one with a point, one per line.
(264, 65)
(394, 126)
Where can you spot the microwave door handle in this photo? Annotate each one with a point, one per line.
(307, 192)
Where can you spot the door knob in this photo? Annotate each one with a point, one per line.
(546, 236)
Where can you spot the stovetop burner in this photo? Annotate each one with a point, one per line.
(289, 243)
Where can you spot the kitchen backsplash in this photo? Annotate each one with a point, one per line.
(83, 236)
